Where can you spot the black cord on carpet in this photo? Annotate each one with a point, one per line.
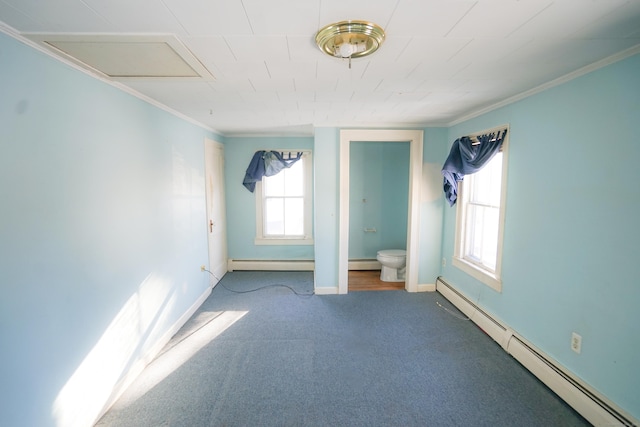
(276, 285)
(452, 312)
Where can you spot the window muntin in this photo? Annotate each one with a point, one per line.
(283, 203)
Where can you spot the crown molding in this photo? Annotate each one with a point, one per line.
(15, 34)
(556, 82)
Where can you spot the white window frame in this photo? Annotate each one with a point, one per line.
(491, 278)
(307, 238)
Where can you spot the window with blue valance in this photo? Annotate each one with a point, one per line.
(468, 155)
(267, 163)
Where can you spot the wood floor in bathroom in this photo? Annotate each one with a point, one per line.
(369, 280)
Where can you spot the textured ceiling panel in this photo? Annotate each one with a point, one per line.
(441, 61)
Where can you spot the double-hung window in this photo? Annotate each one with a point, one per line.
(283, 205)
(480, 221)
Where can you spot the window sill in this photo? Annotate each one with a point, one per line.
(489, 279)
(264, 241)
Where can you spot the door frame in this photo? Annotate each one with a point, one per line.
(415, 138)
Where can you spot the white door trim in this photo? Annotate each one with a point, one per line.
(217, 266)
(415, 138)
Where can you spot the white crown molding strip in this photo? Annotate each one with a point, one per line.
(12, 32)
(560, 80)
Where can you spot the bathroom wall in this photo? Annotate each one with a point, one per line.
(241, 203)
(102, 235)
(379, 196)
(570, 261)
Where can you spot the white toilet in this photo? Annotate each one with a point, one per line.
(394, 262)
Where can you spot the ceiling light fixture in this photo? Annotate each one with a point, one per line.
(350, 39)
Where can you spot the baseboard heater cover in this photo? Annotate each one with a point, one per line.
(594, 407)
(270, 265)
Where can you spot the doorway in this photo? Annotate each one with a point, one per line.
(415, 139)
(378, 201)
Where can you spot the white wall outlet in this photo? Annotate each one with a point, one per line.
(444, 262)
(576, 342)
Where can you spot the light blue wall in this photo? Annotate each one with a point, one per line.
(379, 194)
(432, 204)
(570, 258)
(326, 189)
(241, 203)
(102, 233)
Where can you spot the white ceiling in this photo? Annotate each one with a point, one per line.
(442, 59)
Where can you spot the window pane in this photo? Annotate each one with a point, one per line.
(294, 216)
(274, 185)
(294, 180)
(482, 235)
(486, 183)
(473, 248)
(480, 188)
(495, 185)
(490, 243)
(274, 216)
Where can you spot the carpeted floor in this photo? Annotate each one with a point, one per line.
(389, 358)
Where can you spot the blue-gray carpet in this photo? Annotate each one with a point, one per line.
(387, 358)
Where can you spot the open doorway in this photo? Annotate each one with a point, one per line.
(378, 203)
(415, 139)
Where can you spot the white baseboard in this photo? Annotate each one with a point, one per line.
(326, 290)
(270, 265)
(427, 287)
(593, 406)
(364, 264)
(153, 351)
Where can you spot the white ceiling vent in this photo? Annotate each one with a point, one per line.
(126, 57)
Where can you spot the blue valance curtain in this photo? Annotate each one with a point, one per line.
(466, 157)
(267, 163)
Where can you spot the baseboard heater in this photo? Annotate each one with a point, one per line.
(270, 265)
(594, 407)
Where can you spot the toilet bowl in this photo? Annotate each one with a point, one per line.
(393, 263)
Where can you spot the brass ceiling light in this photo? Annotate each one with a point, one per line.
(350, 39)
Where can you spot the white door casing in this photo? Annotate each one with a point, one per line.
(415, 138)
(216, 217)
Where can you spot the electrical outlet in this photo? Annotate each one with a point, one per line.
(576, 342)
(444, 262)
(202, 267)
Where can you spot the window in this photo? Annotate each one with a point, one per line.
(480, 219)
(283, 205)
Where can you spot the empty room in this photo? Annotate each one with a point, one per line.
(319, 212)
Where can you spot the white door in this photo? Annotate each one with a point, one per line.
(216, 219)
